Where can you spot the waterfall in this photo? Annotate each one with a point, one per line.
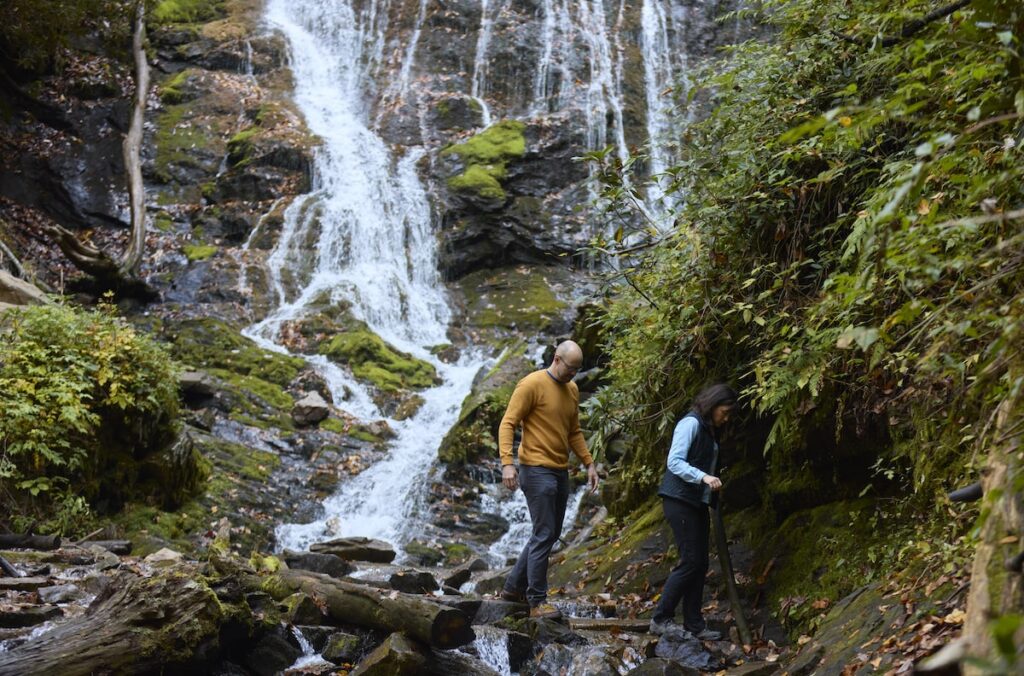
(478, 86)
(363, 235)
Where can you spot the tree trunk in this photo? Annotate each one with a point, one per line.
(993, 630)
(428, 622)
(142, 625)
(132, 143)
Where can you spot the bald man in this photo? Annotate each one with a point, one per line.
(546, 404)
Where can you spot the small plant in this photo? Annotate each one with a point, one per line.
(87, 400)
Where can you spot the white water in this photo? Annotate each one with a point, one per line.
(363, 235)
(492, 646)
(309, 657)
(513, 508)
(478, 86)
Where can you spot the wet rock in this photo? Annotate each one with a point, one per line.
(356, 549)
(546, 632)
(310, 410)
(22, 583)
(461, 575)
(197, 387)
(275, 652)
(490, 611)
(299, 608)
(413, 582)
(493, 582)
(104, 560)
(659, 666)
(164, 557)
(424, 554)
(685, 650)
(317, 635)
(328, 564)
(755, 669)
(380, 428)
(396, 656)
(28, 616)
(456, 112)
(341, 647)
(61, 593)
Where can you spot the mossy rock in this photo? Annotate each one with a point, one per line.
(199, 252)
(424, 554)
(456, 553)
(214, 344)
(513, 298)
(485, 157)
(186, 11)
(372, 360)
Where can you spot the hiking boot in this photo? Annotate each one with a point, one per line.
(669, 628)
(512, 596)
(545, 611)
(708, 635)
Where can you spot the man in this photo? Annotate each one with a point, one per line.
(546, 404)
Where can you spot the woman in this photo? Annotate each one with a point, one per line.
(688, 489)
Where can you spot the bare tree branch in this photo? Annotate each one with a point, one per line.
(132, 142)
(909, 28)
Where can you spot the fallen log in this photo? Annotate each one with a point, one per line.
(140, 625)
(8, 569)
(23, 541)
(421, 619)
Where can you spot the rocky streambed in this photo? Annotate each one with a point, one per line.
(81, 609)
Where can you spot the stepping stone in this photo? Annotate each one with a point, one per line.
(609, 623)
(413, 582)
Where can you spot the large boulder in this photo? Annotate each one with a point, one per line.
(310, 410)
(14, 291)
(356, 549)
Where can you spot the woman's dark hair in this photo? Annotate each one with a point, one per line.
(711, 396)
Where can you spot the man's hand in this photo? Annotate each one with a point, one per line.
(510, 477)
(592, 478)
(714, 482)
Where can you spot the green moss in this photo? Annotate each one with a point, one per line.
(163, 222)
(482, 180)
(170, 91)
(176, 141)
(211, 343)
(199, 252)
(476, 432)
(511, 298)
(240, 146)
(363, 435)
(485, 156)
(495, 145)
(456, 553)
(373, 360)
(423, 553)
(334, 425)
(186, 11)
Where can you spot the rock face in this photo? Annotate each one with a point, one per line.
(310, 410)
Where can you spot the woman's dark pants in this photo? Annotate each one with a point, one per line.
(547, 492)
(690, 525)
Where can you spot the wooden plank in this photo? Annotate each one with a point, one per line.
(635, 626)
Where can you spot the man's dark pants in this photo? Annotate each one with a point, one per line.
(547, 492)
(690, 526)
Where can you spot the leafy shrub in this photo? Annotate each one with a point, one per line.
(87, 400)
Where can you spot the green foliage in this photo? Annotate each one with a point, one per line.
(33, 33)
(186, 11)
(199, 252)
(850, 251)
(86, 400)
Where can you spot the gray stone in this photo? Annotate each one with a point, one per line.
(328, 564)
(310, 410)
(356, 549)
(685, 650)
(274, 653)
(164, 557)
(60, 593)
(413, 582)
(341, 647)
(396, 656)
(197, 385)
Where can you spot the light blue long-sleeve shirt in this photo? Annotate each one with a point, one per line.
(682, 440)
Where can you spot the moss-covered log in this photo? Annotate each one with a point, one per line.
(423, 620)
(141, 625)
(994, 630)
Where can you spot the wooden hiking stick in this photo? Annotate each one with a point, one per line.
(730, 583)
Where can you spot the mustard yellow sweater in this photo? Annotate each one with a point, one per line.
(549, 412)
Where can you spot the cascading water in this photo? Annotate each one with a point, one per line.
(363, 236)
